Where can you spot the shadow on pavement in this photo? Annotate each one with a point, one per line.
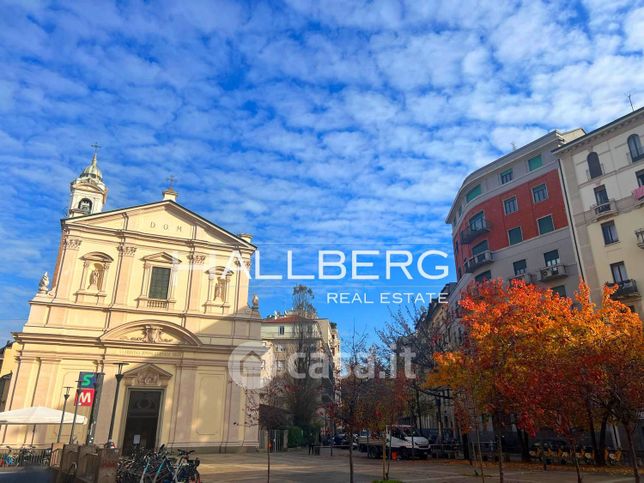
(27, 475)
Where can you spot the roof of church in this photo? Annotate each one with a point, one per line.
(158, 203)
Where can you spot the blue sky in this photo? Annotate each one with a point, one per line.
(309, 124)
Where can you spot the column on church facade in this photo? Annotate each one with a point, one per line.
(122, 286)
(67, 275)
(196, 280)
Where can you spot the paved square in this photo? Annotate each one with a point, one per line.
(298, 466)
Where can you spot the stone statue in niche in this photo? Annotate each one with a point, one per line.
(220, 289)
(96, 277)
(93, 279)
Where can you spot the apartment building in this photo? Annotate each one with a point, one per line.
(603, 173)
(509, 220)
(287, 334)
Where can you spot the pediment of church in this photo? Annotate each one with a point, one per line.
(146, 375)
(152, 333)
(163, 218)
(161, 257)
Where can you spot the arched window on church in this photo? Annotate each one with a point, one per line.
(85, 206)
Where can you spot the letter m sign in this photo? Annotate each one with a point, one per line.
(85, 398)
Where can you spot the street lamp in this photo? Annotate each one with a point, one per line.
(78, 392)
(62, 416)
(119, 376)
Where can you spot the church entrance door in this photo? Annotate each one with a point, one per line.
(142, 420)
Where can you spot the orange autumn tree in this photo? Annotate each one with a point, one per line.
(614, 347)
(546, 361)
(509, 336)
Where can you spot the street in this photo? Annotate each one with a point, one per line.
(298, 466)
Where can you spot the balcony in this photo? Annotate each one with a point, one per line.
(525, 277)
(157, 304)
(483, 258)
(638, 194)
(604, 209)
(640, 237)
(474, 230)
(625, 289)
(553, 273)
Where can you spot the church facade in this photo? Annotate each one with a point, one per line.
(144, 292)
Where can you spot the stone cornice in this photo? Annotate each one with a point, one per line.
(145, 312)
(600, 134)
(105, 345)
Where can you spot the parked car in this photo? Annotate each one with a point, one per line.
(404, 440)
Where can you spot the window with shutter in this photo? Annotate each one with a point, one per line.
(545, 224)
(159, 283)
(515, 235)
(473, 193)
(535, 163)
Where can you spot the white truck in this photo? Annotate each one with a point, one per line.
(400, 440)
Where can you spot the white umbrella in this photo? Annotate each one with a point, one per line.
(38, 415)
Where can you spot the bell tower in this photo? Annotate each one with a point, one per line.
(88, 192)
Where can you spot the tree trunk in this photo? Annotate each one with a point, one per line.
(269, 446)
(465, 441)
(391, 454)
(384, 455)
(591, 428)
(631, 446)
(350, 454)
(419, 413)
(600, 456)
(478, 444)
(497, 436)
(525, 449)
(573, 446)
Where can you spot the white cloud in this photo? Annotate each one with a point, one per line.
(634, 30)
(507, 138)
(329, 121)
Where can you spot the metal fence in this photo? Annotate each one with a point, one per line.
(25, 457)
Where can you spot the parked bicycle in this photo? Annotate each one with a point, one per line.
(25, 456)
(158, 467)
